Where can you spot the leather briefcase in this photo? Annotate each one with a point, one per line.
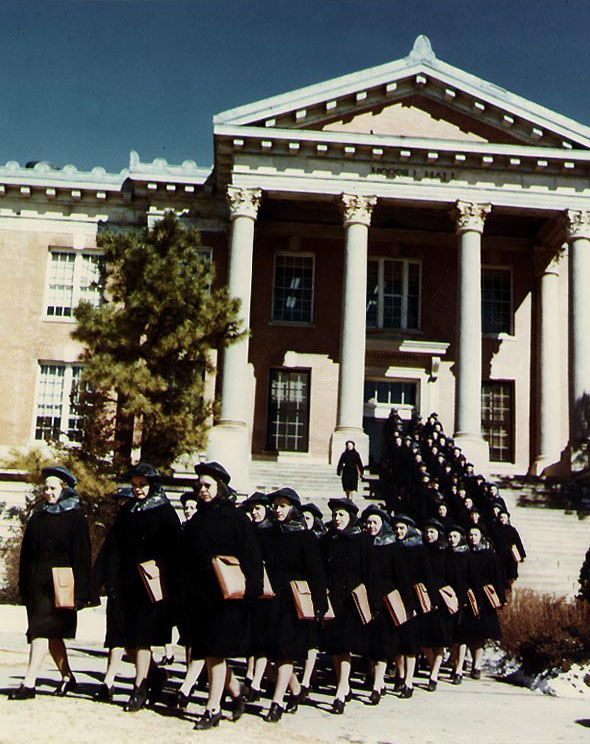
(152, 579)
(230, 576)
(267, 590)
(516, 554)
(472, 602)
(304, 602)
(63, 587)
(395, 605)
(423, 598)
(449, 598)
(492, 596)
(361, 600)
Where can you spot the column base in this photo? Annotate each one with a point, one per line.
(341, 436)
(229, 444)
(548, 466)
(476, 450)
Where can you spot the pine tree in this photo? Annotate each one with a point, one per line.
(147, 347)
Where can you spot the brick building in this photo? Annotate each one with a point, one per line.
(407, 236)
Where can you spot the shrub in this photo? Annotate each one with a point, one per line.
(544, 631)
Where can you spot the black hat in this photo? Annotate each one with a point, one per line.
(374, 509)
(256, 498)
(313, 509)
(144, 470)
(343, 503)
(456, 528)
(349, 441)
(58, 471)
(433, 523)
(188, 496)
(214, 469)
(404, 519)
(286, 493)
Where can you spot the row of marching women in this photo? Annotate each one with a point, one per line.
(266, 582)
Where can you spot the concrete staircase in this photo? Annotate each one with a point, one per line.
(313, 481)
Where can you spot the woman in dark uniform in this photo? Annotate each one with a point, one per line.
(146, 528)
(349, 561)
(56, 535)
(220, 627)
(293, 554)
(350, 468)
(461, 574)
(388, 642)
(506, 539)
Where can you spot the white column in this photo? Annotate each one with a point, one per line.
(548, 363)
(357, 212)
(469, 220)
(229, 440)
(578, 235)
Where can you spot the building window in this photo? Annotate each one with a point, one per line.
(496, 300)
(57, 417)
(497, 413)
(293, 288)
(390, 393)
(288, 410)
(74, 277)
(393, 294)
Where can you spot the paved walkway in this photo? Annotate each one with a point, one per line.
(484, 711)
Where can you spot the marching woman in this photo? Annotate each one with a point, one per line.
(461, 575)
(349, 561)
(293, 554)
(350, 468)
(220, 628)
(388, 641)
(420, 577)
(488, 586)
(56, 536)
(439, 626)
(140, 550)
(509, 547)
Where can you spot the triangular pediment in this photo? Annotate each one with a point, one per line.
(417, 96)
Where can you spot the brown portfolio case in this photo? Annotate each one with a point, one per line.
(395, 605)
(63, 587)
(492, 596)
(304, 602)
(472, 602)
(152, 579)
(361, 600)
(423, 598)
(230, 576)
(516, 554)
(449, 598)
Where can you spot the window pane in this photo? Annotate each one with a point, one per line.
(497, 417)
(50, 402)
(392, 294)
(91, 279)
(391, 393)
(372, 293)
(61, 284)
(293, 289)
(395, 303)
(74, 429)
(413, 319)
(288, 411)
(496, 304)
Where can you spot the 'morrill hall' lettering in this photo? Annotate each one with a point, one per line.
(416, 173)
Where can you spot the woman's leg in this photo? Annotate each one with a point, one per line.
(113, 665)
(310, 662)
(284, 674)
(260, 665)
(37, 653)
(193, 671)
(216, 670)
(437, 657)
(59, 654)
(342, 666)
(142, 664)
(459, 651)
(410, 663)
(477, 655)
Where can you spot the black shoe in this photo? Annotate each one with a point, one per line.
(398, 685)
(338, 706)
(348, 696)
(407, 692)
(375, 697)
(292, 704)
(274, 714)
(476, 674)
(303, 695)
(155, 682)
(207, 720)
(138, 698)
(237, 705)
(22, 693)
(166, 660)
(68, 684)
(457, 679)
(252, 695)
(431, 685)
(104, 694)
(181, 700)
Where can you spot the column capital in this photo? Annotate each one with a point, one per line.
(470, 216)
(243, 202)
(576, 223)
(546, 260)
(357, 208)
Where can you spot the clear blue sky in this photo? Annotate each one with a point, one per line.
(84, 82)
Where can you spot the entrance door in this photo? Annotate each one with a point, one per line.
(380, 397)
(288, 410)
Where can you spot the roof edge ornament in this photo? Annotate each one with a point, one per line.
(422, 50)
